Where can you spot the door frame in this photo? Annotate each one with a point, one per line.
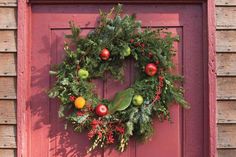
(24, 70)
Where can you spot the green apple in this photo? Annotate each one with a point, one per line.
(83, 74)
(126, 51)
(137, 100)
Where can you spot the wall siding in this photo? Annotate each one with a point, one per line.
(226, 111)
(226, 87)
(225, 3)
(226, 17)
(7, 112)
(8, 18)
(225, 41)
(8, 28)
(226, 152)
(8, 3)
(7, 136)
(226, 68)
(7, 152)
(226, 81)
(7, 41)
(8, 64)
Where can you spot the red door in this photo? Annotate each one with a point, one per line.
(183, 137)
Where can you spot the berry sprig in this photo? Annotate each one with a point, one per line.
(158, 89)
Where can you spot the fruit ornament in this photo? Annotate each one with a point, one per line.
(137, 100)
(126, 51)
(101, 110)
(83, 74)
(105, 54)
(79, 102)
(151, 69)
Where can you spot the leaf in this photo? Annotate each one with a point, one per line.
(80, 119)
(129, 128)
(51, 72)
(132, 113)
(65, 81)
(122, 100)
(65, 126)
(54, 92)
(61, 111)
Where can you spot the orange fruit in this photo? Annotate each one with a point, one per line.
(79, 102)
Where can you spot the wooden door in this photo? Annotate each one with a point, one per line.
(183, 137)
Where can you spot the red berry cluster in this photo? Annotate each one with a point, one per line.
(120, 129)
(150, 55)
(131, 41)
(80, 113)
(110, 138)
(137, 44)
(95, 131)
(72, 98)
(159, 89)
(107, 131)
(113, 127)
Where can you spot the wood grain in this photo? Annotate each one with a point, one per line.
(7, 136)
(226, 17)
(8, 64)
(7, 41)
(226, 136)
(226, 64)
(226, 111)
(112, 1)
(7, 112)
(8, 18)
(8, 3)
(7, 152)
(211, 79)
(8, 22)
(225, 2)
(226, 41)
(226, 88)
(226, 152)
(7, 88)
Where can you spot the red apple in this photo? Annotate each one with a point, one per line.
(151, 69)
(101, 110)
(105, 54)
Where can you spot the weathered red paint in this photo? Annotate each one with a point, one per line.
(211, 81)
(113, 1)
(23, 79)
(187, 136)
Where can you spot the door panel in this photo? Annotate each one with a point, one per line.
(182, 137)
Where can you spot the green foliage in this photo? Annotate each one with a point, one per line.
(121, 35)
(121, 101)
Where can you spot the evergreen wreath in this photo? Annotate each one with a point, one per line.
(117, 38)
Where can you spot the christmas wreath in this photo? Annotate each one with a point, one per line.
(117, 38)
